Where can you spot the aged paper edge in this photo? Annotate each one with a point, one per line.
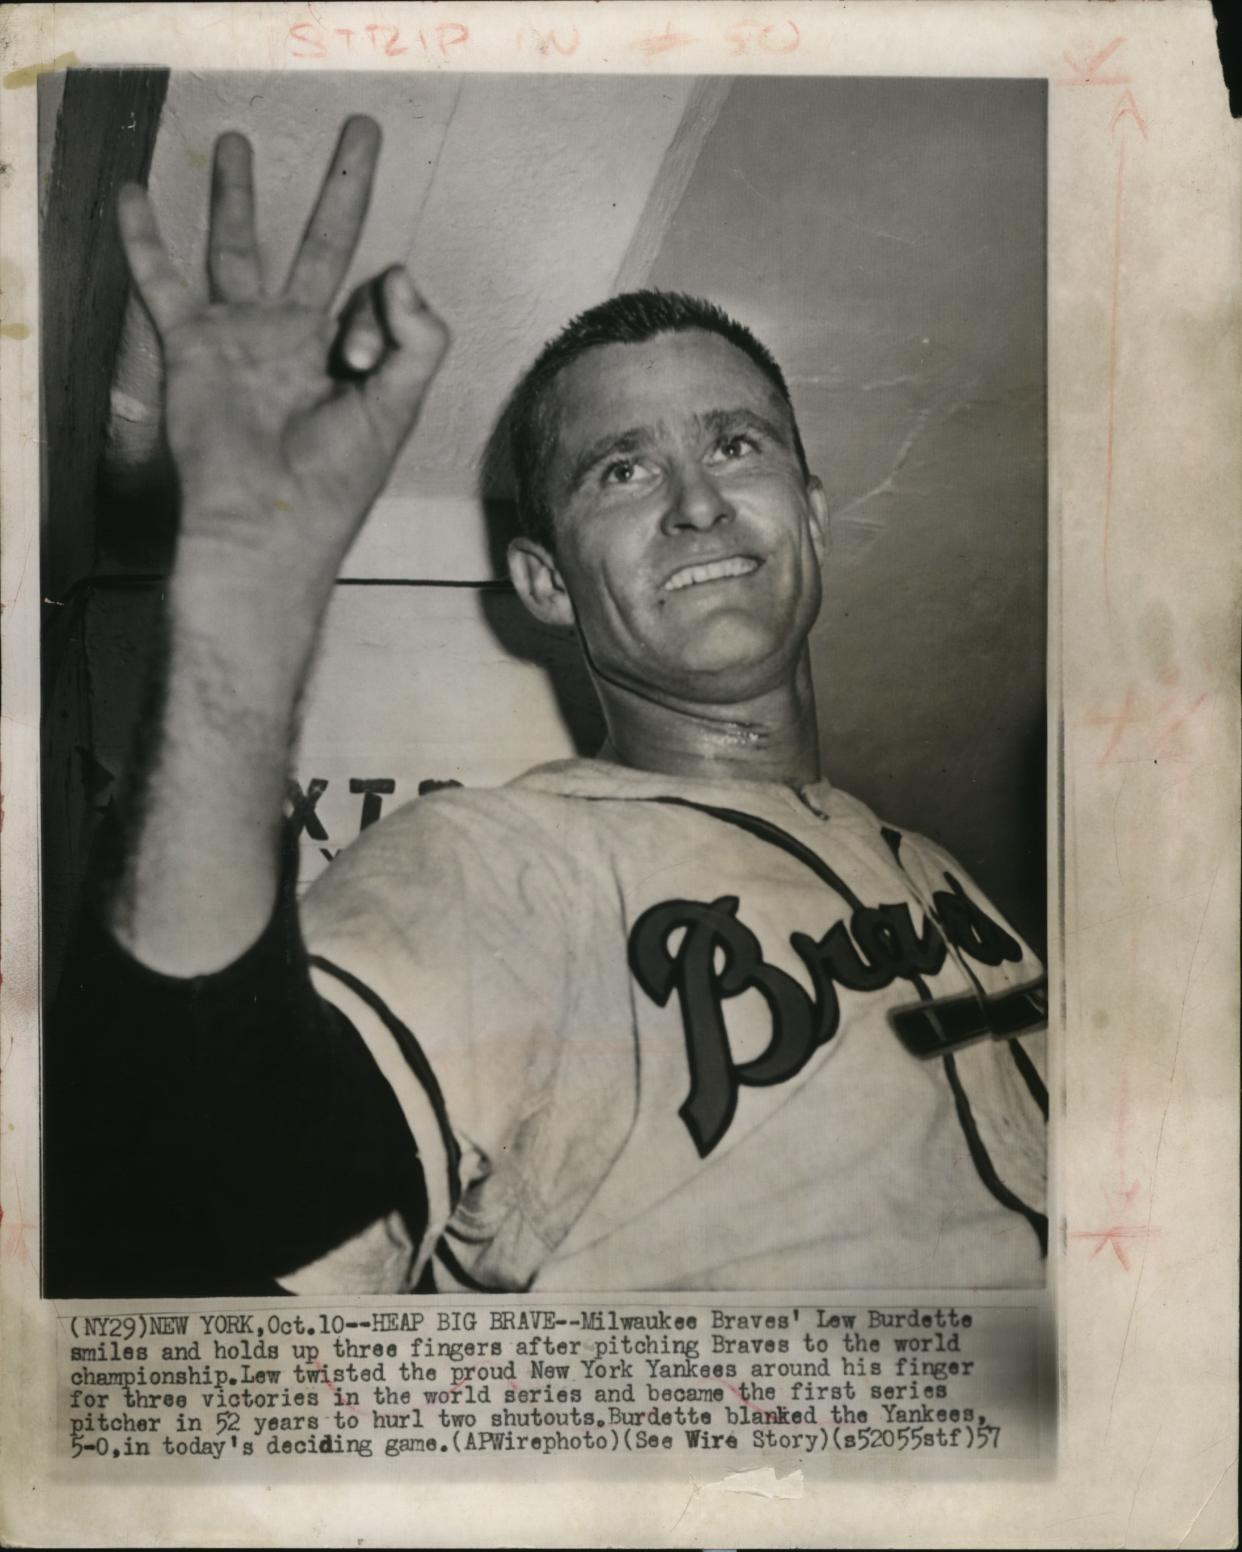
(1148, 1436)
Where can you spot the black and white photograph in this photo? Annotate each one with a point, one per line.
(624, 869)
(618, 774)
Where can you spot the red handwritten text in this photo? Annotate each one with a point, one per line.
(1087, 74)
(309, 40)
(752, 36)
(548, 42)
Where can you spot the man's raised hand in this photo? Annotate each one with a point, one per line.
(283, 422)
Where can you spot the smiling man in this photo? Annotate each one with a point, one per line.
(671, 516)
(681, 1016)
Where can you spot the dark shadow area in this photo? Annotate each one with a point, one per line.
(105, 128)
(516, 631)
(1229, 45)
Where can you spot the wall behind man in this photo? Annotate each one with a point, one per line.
(885, 237)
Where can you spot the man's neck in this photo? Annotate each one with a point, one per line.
(774, 737)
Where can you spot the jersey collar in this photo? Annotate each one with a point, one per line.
(606, 779)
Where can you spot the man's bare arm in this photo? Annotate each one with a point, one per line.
(279, 455)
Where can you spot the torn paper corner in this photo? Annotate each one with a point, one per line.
(764, 1481)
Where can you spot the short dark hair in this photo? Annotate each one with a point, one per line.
(629, 319)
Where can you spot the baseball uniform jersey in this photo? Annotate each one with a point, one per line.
(659, 1033)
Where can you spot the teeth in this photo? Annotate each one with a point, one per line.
(712, 571)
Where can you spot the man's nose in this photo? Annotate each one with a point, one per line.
(697, 502)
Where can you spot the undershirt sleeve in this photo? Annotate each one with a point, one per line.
(208, 1135)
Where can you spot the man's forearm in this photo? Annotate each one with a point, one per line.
(202, 853)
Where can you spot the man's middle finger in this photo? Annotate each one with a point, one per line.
(232, 255)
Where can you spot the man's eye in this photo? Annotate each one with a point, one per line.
(620, 471)
(739, 446)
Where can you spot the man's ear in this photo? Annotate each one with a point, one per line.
(819, 518)
(539, 584)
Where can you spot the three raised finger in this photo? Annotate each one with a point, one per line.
(336, 222)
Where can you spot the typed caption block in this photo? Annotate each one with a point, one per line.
(240, 1390)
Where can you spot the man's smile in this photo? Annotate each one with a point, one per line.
(695, 574)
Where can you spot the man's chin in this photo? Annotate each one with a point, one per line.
(730, 671)
(728, 639)
(723, 659)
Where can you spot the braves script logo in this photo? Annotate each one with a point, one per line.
(879, 946)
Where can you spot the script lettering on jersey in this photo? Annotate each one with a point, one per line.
(718, 957)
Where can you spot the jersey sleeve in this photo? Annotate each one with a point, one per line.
(442, 935)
